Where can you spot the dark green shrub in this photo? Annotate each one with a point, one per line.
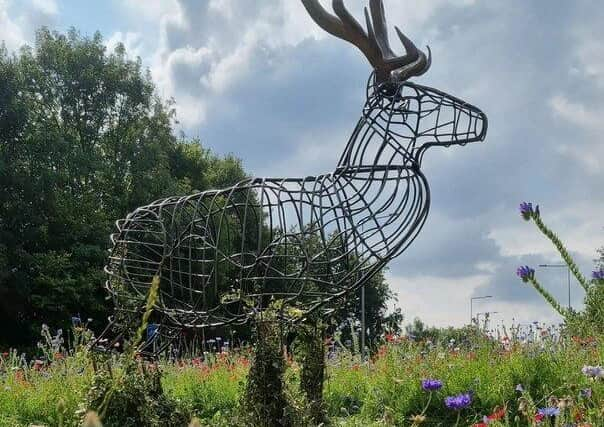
(264, 401)
(136, 398)
(310, 353)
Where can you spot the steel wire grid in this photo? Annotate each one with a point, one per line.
(224, 255)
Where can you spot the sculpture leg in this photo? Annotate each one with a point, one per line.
(264, 400)
(311, 354)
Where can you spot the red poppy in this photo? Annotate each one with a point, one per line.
(497, 415)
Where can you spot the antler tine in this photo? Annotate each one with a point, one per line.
(417, 68)
(381, 30)
(345, 27)
(373, 43)
(428, 62)
(413, 53)
(324, 19)
(357, 34)
(370, 32)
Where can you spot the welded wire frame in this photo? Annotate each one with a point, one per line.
(224, 255)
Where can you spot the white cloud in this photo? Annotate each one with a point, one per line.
(132, 43)
(149, 10)
(234, 34)
(10, 33)
(578, 225)
(577, 113)
(48, 7)
(588, 52)
(437, 301)
(591, 55)
(590, 121)
(231, 67)
(445, 302)
(20, 20)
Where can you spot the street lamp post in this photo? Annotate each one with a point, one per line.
(363, 326)
(471, 308)
(568, 270)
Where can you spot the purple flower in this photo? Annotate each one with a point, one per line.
(593, 371)
(550, 411)
(458, 402)
(525, 273)
(586, 393)
(598, 274)
(431, 385)
(526, 210)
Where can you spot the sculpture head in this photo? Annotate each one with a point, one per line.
(415, 116)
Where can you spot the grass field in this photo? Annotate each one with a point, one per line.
(507, 381)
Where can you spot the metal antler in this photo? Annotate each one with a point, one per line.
(373, 43)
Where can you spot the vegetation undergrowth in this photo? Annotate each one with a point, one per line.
(387, 390)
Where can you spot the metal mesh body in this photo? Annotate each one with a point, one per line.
(223, 255)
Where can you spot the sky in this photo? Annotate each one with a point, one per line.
(260, 80)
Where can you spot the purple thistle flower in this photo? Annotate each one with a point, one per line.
(431, 385)
(525, 273)
(526, 210)
(593, 371)
(458, 402)
(550, 411)
(598, 274)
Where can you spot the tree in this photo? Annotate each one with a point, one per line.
(84, 140)
(329, 263)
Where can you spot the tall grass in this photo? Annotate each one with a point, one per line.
(384, 391)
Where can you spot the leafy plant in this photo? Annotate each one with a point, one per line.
(127, 392)
(309, 350)
(591, 319)
(264, 401)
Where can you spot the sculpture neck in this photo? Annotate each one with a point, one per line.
(373, 148)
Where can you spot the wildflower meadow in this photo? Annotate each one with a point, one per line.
(540, 375)
(530, 378)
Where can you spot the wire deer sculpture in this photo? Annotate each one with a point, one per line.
(223, 255)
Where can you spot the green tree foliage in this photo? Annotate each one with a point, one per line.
(83, 141)
(377, 291)
(418, 331)
(264, 401)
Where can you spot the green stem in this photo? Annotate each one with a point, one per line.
(131, 353)
(427, 404)
(458, 417)
(563, 252)
(548, 297)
